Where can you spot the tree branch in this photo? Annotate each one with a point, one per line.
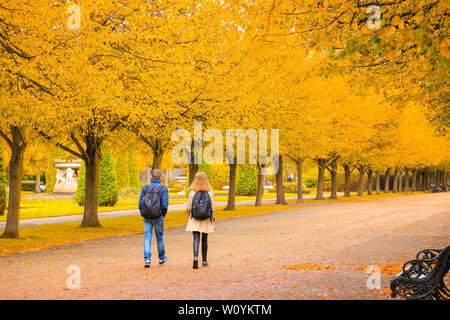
(7, 139)
(79, 146)
(59, 145)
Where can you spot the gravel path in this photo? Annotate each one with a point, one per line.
(245, 255)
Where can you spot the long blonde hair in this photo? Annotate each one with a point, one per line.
(200, 182)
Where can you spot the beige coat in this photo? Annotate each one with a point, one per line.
(204, 226)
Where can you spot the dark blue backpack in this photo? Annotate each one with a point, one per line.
(151, 204)
(201, 206)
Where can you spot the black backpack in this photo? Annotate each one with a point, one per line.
(201, 206)
(151, 204)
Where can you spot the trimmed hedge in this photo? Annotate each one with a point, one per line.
(247, 180)
(220, 173)
(79, 195)
(206, 168)
(50, 178)
(108, 192)
(290, 187)
(127, 172)
(133, 171)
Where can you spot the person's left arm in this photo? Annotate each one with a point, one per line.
(212, 205)
(164, 199)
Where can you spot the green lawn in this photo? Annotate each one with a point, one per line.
(39, 208)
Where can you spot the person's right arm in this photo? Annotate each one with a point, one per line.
(189, 203)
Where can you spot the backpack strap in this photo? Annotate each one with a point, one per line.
(158, 189)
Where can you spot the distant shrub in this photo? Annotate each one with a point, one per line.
(247, 180)
(176, 187)
(311, 182)
(290, 187)
(130, 192)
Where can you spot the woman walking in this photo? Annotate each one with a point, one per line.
(200, 190)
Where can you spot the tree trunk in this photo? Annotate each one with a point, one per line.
(418, 181)
(2, 183)
(395, 184)
(17, 145)
(157, 151)
(413, 180)
(369, 181)
(260, 192)
(157, 158)
(347, 173)
(299, 163)
(377, 182)
(231, 204)
(37, 185)
(387, 180)
(361, 180)
(333, 173)
(93, 153)
(193, 169)
(406, 180)
(320, 178)
(424, 180)
(420, 176)
(279, 182)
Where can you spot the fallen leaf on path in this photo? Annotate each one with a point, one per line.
(307, 267)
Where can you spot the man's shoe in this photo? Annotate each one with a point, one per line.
(195, 265)
(162, 261)
(147, 264)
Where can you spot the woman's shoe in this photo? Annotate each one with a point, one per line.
(195, 265)
(204, 264)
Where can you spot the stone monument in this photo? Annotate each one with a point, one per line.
(67, 175)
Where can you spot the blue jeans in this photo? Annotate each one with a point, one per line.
(158, 224)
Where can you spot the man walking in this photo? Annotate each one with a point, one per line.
(153, 214)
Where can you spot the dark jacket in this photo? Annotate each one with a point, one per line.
(163, 194)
